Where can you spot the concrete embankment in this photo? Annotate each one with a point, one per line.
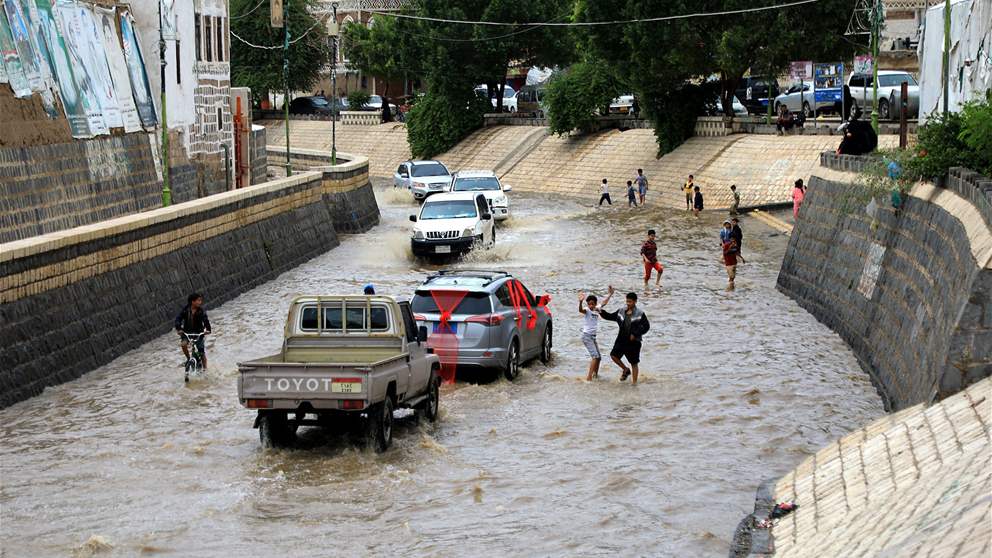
(909, 289)
(914, 483)
(73, 300)
(762, 166)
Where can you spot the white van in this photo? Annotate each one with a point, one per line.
(452, 223)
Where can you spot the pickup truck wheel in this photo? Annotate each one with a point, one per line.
(546, 345)
(883, 109)
(273, 431)
(381, 425)
(512, 369)
(432, 404)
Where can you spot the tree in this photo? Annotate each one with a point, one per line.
(575, 95)
(261, 69)
(384, 51)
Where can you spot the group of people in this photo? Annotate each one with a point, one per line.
(637, 189)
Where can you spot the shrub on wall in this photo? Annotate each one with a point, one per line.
(961, 139)
(437, 122)
(358, 99)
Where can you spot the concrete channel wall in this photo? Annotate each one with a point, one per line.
(71, 301)
(909, 289)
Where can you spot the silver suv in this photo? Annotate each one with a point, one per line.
(484, 319)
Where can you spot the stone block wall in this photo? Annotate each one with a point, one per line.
(52, 326)
(259, 162)
(908, 289)
(48, 188)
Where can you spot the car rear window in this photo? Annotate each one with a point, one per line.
(355, 314)
(472, 303)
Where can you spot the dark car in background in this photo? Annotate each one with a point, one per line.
(754, 93)
(315, 105)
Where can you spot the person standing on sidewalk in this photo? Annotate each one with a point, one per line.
(687, 188)
(642, 184)
(631, 194)
(697, 202)
(649, 255)
(737, 199)
(606, 194)
(798, 195)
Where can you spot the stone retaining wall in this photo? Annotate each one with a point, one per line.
(74, 300)
(258, 155)
(910, 290)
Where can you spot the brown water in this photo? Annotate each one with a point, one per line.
(737, 387)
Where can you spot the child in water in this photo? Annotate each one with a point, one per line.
(589, 327)
(631, 194)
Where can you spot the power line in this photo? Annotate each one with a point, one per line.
(597, 23)
(249, 12)
(300, 38)
(476, 39)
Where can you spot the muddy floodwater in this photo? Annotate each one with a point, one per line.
(737, 387)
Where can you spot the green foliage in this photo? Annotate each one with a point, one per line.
(939, 147)
(437, 122)
(262, 69)
(976, 133)
(358, 99)
(383, 50)
(575, 96)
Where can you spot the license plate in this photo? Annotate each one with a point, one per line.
(443, 249)
(448, 328)
(346, 387)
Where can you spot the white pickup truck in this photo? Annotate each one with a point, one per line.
(342, 357)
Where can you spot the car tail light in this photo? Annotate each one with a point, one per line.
(352, 404)
(258, 403)
(420, 317)
(486, 319)
(347, 380)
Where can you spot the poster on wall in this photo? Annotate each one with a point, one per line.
(11, 61)
(24, 43)
(61, 64)
(107, 25)
(97, 60)
(74, 30)
(136, 70)
(29, 15)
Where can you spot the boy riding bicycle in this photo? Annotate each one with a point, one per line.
(193, 320)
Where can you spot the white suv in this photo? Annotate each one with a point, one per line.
(489, 185)
(452, 224)
(422, 178)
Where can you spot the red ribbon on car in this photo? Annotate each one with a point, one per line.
(445, 341)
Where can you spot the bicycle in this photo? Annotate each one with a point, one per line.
(195, 361)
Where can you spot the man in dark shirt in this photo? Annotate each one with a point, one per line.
(738, 235)
(649, 254)
(193, 319)
(633, 325)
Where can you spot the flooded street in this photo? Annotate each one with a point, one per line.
(737, 387)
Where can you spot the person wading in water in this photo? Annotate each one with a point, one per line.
(633, 325)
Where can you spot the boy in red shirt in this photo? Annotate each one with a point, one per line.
(649, 254)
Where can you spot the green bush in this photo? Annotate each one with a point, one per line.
(576, 96)
(358, 99)
(674, 114)
(437, 122)
(961, 139)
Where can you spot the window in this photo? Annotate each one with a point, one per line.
(308, 318)
(179, 74)
(430, 169)
(472, 304)
(208, 37)
(480, 202)
(503, 295)
(220, 119)
(220, 38)
(378, 320)
(332, 317)
(401, 170)
(199, 36)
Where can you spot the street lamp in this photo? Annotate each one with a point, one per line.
(334, 83)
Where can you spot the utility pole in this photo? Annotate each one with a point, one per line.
(285, 77)
(334, 84)
(947, 53)
(876, 29)
(166, 192)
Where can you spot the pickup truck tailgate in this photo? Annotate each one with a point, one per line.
(287, 385)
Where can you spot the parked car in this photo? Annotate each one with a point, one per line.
(622, 105)
(498, 323)
(508, 93)
(342, 357)
(715, 107)
(422, 178)
(889, 90)
(452, 224)
(796, 100)
(314, 105)
(375, 104)
(489, 184)
(755, 92)
(530, 100)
